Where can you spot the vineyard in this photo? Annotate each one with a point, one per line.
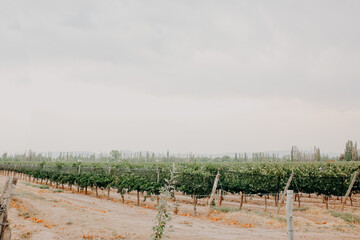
(195, 179)
(49, 188)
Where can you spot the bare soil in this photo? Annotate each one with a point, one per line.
(49, 214)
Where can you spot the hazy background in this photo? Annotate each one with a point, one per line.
(185, 76)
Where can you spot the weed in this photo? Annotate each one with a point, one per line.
(301, 209)
(25, 235)
(269, 215)
(164, 215)
(348, 217)
(37, 186)
(25, 214)
(226, 209)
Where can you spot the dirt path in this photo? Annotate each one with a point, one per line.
(47, 214)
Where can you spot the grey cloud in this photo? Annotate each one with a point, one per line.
(306, 50)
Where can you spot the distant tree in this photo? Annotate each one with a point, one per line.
(226, 158)
(317, 155)
(294, 153)
(115, 155)
(31, 155)
(355, 153)
(348, 154)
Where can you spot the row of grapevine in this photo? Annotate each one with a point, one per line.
(197, 178)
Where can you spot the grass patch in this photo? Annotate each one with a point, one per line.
(272, 216)
(26, 235)
(57, 191)
(225, 209)
(37, 186)
(30, 195)
(24, 214)
(301, 209)
(348, 217)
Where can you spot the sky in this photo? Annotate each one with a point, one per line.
(184, 76)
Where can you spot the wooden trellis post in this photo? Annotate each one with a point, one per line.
(157, 180)
(5, 231)
(289, 215)
(109, 188)
(213, 193)
(349, 190)
(283, 194)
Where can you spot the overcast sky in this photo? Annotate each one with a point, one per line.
(188, 76)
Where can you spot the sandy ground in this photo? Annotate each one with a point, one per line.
(48, 214)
